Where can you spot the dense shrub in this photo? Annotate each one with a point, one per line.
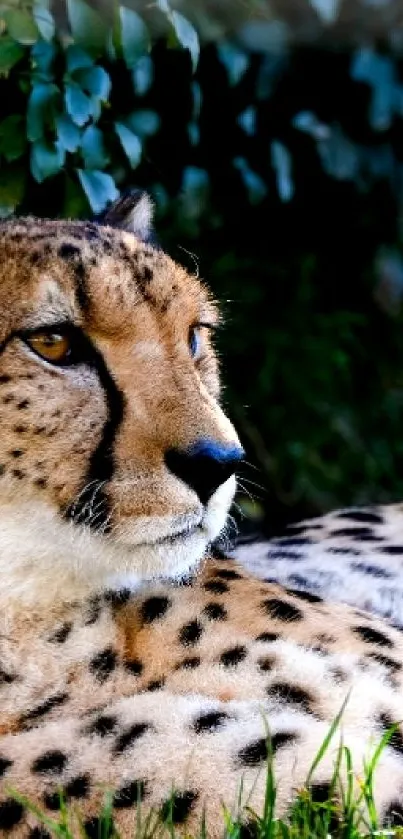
(278, 163)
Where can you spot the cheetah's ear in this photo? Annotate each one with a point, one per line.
(133, 212)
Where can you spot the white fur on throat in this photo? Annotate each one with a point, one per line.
(46, 561)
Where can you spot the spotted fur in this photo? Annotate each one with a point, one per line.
(352, 556)
(111, 677)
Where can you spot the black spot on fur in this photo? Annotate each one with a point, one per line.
(5, 764)
(4, 379)
(11, 813)
(228, 574)
(281, 610)
(320, 793)
(190, 633)
(258, 751)
(209, 721)
(233, 656)
(78, 787)
(254, 754)
(97, 828)
(178, 807)
(44, 707)
(130, 794)
(396, 740)
(135, 666)
(53, 800)
(189, 663)
(51, 761)
(291, 695)
(393, 816)
(343, 551)
(23, 404)
(358, 534)
(6, 678)
(130, 736)
(215, 612)
(39, 832)
(94, 610)
(103, 664)
(305, 595)
(364, 516)
(249, 830)
(266, 663)
(61, 634)
(117, 598)
(392, 550)
(155, 684)
(372, 636)
(18, 474)
(216, 587)
(389, 663)
(267, 637)
(372, 570)
(277, 554)
(153, 608)
(103, 725)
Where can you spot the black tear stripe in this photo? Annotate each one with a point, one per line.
(71, 253)
(101, 467)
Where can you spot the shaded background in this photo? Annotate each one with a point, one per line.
(271, 137)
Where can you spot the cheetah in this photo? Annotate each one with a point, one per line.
(352, 555)
(135, 658)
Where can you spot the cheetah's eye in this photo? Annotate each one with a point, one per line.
(54, 347)
(194, 341)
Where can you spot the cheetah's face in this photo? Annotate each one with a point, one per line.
(108, 390)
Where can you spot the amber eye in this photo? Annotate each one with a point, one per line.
(52, 346)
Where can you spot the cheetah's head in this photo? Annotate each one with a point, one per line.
(113, 441)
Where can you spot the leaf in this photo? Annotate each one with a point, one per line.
(12, 187)
(187, 36)
(99, 188)
(144, 122)
(44, 21)
(247, 120)
(94, 80)
(46, 159)
(254, 184)
(130, 143)
(40, 111)
(10, 54)
(194, 191)
(78, 105)
(77, 58)
(327, 10)
(235, 61)
(134, 36)
(43, 56)
(21, 26)
(93, 148)
(88, 28)
(68, 134)
(143, 75)
(281, 162)
(13, 140)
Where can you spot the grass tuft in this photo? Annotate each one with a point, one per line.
(344, 808)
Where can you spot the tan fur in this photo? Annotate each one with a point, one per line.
(165, 685)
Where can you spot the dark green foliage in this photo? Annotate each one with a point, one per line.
(281, 171)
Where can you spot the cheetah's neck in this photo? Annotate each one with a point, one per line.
(45, 562)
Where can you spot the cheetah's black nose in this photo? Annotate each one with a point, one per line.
(204, 466)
